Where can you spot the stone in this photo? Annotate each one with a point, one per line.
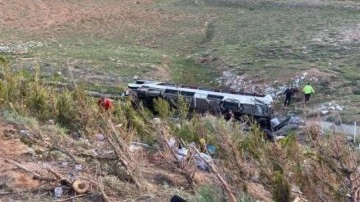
(331, 108)
(278, 93)
(51, 121)
(289, 127)
(338, 107)
(25, 133)
(171, 142)
(157, 120)
(279, 137)
(78, 167)
(100, 137)
(256, 178)
(133, 148)
(323, 112)
(295, 189)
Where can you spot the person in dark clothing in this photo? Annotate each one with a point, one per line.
(288, 94)
(229, 115)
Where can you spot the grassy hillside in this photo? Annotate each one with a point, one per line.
(123, 38)
(104, 44)
(107, 43)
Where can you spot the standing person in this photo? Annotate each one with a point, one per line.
(288, 94)
(308, 90)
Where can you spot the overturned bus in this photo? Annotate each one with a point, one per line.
(203, 100)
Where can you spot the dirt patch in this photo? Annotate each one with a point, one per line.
(159, 72)
(317, 73)
(258, 190)
(346, 35)
(311, 74)
(51, 17)
(14, 150)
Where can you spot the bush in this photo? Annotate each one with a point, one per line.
(39, 103)
(162, 108)
(10, 85)
(67, 112)
(281, 188)
(210, 193)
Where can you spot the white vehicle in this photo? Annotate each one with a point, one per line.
(197, 92)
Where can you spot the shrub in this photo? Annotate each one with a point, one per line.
(281, 188)
(162, 108)
(39, 103)
(10, 85)
(67, 112)
(210, 193)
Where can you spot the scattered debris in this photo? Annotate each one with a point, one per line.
(58, 191)
(177, 198)
(135, 146)
(80, 186)
(100, 137)
(78, 167)
(201, 159)
(25, 133)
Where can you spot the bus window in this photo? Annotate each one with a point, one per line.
(171, 91)
(166, 84)
(139, 82)
(230, 104)
(215, 97)
(154, 91)
(186, 93)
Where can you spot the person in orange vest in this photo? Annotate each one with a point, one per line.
(105, 103)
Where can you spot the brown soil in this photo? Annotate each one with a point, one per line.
(54, 17)
(15, 150)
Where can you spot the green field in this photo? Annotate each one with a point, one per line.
(266, 40)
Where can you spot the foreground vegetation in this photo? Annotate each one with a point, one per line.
(323, 169)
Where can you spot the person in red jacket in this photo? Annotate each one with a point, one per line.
(105, 103)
